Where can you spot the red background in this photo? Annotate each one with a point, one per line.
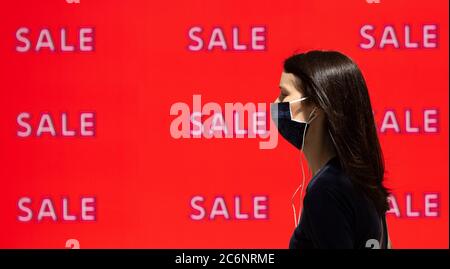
(143, 179)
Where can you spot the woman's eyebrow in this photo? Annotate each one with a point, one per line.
(283, 89)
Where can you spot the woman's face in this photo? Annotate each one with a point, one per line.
(291, 90)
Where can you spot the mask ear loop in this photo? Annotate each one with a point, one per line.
(297, 220)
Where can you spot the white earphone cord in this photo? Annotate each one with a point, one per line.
(297, 219)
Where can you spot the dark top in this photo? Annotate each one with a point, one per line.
(336, 214)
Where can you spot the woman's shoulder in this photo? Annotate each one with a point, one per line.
(331, 190)
(331, 187)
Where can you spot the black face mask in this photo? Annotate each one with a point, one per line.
(293, 131)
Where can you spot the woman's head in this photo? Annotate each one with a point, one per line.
(338, 100)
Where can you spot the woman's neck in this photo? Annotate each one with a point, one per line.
(318, 152)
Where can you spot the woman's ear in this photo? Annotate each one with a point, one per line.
(313, 114)
(317, 111)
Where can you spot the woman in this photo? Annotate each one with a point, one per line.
(324, 110)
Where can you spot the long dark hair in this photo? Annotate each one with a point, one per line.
(334, 82)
